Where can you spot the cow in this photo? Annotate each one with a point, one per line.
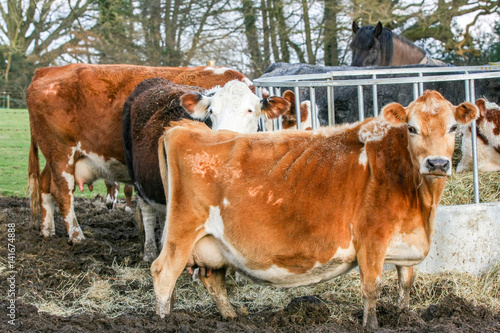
(76, 121)
(155, 103)
(346, 97)
(112, 190)
(488, 143)
(291, 208)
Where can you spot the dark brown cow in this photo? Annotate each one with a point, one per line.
(292, 208)
(76, 120)
(488, 143)
(156, 102)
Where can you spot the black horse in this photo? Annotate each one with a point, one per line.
(378, 46)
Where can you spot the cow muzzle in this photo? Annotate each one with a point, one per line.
(436, 167)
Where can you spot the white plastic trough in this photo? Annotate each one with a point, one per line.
(466, 237)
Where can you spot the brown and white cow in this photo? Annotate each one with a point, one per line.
(292, 208)
(112, 189)
(155, 103)
(488, 143)
(76, 121)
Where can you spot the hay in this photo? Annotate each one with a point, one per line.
(459, 188)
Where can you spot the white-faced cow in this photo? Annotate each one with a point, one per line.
(488, 143)
(292, 208)
(76, 121)
(154, 104)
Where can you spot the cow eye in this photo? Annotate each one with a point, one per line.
(249, 110)
(453, 128)
(412, 130)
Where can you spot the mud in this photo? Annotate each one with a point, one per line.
(46, 270)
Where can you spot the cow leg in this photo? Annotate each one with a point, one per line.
(128, 190)
(47, 227)
(180, 239)
(149, 222)
(216, 287)
(405, 277)
(62, 188)
(112, 189)
(370, 269)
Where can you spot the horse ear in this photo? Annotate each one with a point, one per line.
(378, 29)
(355, 27)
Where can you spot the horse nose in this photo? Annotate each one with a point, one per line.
(440, 164)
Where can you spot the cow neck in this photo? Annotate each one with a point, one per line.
(429, 194)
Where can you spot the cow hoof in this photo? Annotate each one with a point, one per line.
(372, 323)
(149, 257)
(47, 233)
(129, 210)
(77, 238)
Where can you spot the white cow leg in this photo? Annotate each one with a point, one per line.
(405, 277)
(149, 222)
(47, 227)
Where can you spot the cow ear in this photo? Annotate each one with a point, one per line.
(273, 107)
(466, 112)
(378, 29)
(196, 104)
(481, 105)
(395, 113)
(355, 27)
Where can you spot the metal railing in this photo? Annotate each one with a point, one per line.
(417, 76)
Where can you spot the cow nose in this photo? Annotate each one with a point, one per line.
(438, 164)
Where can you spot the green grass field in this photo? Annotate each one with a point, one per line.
(14, 151)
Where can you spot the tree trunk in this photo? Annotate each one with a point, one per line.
(249, 19)
(307, 27)
(330, 38)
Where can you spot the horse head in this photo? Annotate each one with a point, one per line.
(371, 46)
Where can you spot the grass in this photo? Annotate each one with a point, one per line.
(14, 148)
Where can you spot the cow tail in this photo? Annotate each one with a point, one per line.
(162, 159)
(34, 182)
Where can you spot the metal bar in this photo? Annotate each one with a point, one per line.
(415, 91)
(297, 107)
(331, 110)
(361, 110)
(420, 84)
(375, 97)
(314, 112)
(475, 171)
(300, 80)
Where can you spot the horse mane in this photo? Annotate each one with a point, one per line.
(408, 42)
(386, 46)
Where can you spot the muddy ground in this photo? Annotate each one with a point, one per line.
(102, 285)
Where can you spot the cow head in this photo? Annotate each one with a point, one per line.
(432, 122)
(233, 107)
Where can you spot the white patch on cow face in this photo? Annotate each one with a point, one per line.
(225, 202)
(219, 70)
(48, 228)
(235, 108)
(363, 158)
(249, 82)
(374, 130)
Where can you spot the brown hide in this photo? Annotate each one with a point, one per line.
(79, 106)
